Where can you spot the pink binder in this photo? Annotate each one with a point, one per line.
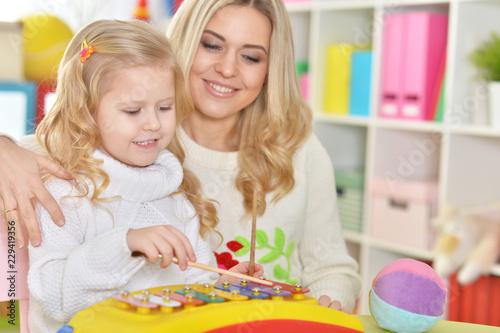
(414, 45)
(426, 47)
(393, 54)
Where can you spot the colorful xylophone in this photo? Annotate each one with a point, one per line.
(238, 307)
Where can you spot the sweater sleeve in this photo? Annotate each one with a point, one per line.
(204, 255)
(201, 246)
(327, 268)
(69, 272)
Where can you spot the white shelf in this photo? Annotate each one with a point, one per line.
(405, 251)
(345, 120)
(354, 237)
(464, 156)
(416, 126)
(482, 131)
(361, 239)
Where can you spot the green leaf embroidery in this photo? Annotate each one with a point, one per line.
(270, 257)
(276, 251)
(279, 239)
(289, 249)
(280, 273)
(261, 238)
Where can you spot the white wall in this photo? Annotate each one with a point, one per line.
(77, 13)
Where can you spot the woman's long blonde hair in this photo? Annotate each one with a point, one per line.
(279, 121)
(69, 133)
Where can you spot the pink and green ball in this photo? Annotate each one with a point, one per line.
(407, 296)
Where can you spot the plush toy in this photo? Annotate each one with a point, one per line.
(45, 39)
(468, 241)
(407, 296)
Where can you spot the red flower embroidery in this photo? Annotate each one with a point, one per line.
(234, 245)
(225, 260)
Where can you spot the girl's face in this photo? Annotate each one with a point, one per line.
(231, 63)
(136, 114)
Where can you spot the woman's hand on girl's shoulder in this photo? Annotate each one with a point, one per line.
(21, 187)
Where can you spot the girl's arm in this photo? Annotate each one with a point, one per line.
(21, 186)
(72, 270)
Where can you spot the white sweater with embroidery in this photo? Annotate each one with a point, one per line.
(87, 260)
(299, 238)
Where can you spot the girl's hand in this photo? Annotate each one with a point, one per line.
(243, 268)
(163, 239)
(326, 301)
(21, 186)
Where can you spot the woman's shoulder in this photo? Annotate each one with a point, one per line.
(312, 148)
(312, 159)
(30, 142)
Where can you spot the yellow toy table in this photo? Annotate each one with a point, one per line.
(227, 308)
(230, 308)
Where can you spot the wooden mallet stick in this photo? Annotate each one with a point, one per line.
(251, 268)
(224, 272)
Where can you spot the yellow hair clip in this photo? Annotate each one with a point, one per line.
(86, 51)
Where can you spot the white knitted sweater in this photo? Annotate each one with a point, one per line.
(299, 238)
(88, 260)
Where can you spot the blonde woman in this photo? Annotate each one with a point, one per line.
(120, 96)
(250, 130)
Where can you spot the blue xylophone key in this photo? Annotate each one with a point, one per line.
(267, 290)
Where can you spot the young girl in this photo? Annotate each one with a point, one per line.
(119, 100)
(249, 128)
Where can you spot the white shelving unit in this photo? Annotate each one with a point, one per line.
(465, 154)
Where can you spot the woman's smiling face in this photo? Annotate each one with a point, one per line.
(231, 63)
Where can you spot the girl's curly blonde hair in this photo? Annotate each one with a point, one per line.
(69, 133)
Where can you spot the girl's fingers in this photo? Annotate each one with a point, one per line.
(166, 252)
(187, 248)
(179, 251)
(161, 241)
(151, 253)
